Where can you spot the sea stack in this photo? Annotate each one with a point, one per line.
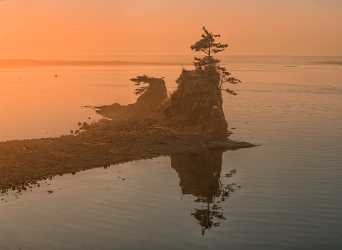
(197, 102)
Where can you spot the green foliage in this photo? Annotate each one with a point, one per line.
(209, 46)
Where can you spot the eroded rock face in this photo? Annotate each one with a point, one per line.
(197, 102)
(151, 97)
(195, 107)
(154, 95)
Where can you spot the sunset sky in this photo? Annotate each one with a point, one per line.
(93, 28)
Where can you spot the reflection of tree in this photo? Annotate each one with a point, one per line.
(200, 176)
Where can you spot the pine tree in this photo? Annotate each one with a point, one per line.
(209, 46)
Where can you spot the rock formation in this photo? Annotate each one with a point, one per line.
(190, 120)
(152, 93)
(195, 106)
(197, 103)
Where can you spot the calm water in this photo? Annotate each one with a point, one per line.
(291, 185)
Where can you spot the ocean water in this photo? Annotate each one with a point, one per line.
(291, 189)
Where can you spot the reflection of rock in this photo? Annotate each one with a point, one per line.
(200, 176)
(199, 173)
(197, 102)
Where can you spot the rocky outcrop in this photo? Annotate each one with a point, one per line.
(191, 120)
(152, 94)
(197, 103)
(195, 106)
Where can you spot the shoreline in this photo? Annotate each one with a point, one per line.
(25, 162)
(191, 119)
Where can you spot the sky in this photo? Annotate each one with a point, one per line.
(65, 29)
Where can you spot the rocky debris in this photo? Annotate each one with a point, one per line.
(104, 144)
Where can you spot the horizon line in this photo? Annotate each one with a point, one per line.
(25, 62)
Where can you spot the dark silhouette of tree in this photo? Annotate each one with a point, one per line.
(151, 92)
(142, 83)
(209, 46)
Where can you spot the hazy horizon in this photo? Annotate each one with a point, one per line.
(119, 56)
(167, 59)
(47, 29)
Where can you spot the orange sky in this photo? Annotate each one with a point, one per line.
(63, 29)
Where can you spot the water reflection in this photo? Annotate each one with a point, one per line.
(200, 175)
